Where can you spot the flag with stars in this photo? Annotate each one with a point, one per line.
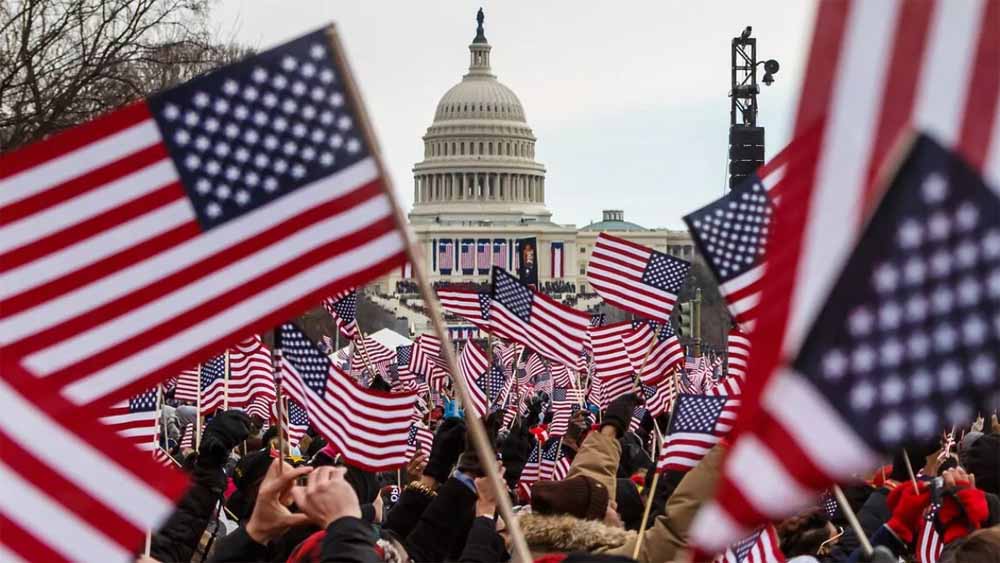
(636, 278)
(762, 546)
(189, 220)
(213, 384)
(563, 403)
(522, 314)
(472, 306)
(419, 440)
(654, 350)
(136, 419)
(427, 362)
(296, 422)
(731, 235)
(369, 428)
(929, 544)
(905, 343)
(554, 465)
(531, 472)
(483, 380)
(698, 423)
(343, 307)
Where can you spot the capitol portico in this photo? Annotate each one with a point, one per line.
(479, 189)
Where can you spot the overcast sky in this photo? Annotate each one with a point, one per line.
(628, 99)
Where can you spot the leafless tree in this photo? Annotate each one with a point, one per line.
(64, 61)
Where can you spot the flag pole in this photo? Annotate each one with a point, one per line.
(276, 370)
(225, 396)
(197, 414)
(909, 469)
(650, 493)
(364, 354)
(156, 444)
(476, 428)
(852, 519)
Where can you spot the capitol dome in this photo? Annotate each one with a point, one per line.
(479, 153)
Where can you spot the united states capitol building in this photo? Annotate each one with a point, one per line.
(479, 189)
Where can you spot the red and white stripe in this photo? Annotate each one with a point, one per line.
(187, 385)
(370, 354)
(250, 373)
(464, 304)
(468, 255)
(483, 262)
(683, 450)
(446, 255)
(139, 428)
(554, 330)
(474, 363)
(423, 439)
(369, 428)
(766, 549)
(929, 545)
(108, 283)
(611, 359)
(557, 261)
(426, 360)
(665, 357)
(615, 272)
(876, 70)
(500, 255)
(72, 490)
(261, 406)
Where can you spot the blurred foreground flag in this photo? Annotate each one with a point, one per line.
(904, 346)
(138, 244)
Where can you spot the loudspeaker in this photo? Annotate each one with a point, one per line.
(746, 152)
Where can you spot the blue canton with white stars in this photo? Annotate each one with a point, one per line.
(491, 383)
(212, 370)
(697, 413)
(906, 344)
(143, 402)
(258, 130)
(732, 231)
(553, 451)
(664, 272)
(297, 415)
(663, 331)
(743, 547)
(512, 294)
(311, 364)
(347, 306)
(403, 354)
(484, 306)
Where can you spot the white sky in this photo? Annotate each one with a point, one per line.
(628, 99)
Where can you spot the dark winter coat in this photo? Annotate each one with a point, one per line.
(484, 544)
(181, 534)
(347, 540)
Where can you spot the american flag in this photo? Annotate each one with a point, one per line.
(597, 319)
(698, 423)
(479, 378)
(187, 437)
(260, 406)
(929, 545)
(446, 256)
(470, 305)
(136, 419)
(369, 428)
(899, 66)
(636, 278)
(500, 253)
(828, 502)
(665, 356)
(343, 307)
(419, 440)
(483, 256)
(595, 392)
(564, 402)
(762, 546)
(404, 375)
(426, 361)
(521, 314)
(737, 354)
(213, 384)
(531, 472)
(534, 368)
(297, 422)
(140, 243)
(611, 359)
(250, 373)
(731, 234)
(187, 385)
(554, 464)
(659, 395)
(468, 256)
(369, 354)
(561, 376)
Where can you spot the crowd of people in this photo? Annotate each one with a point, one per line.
(307, 506)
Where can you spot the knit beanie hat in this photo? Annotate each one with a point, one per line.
(983, 460)
(580, 496)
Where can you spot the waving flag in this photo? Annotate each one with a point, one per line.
(369, 354)
(343, 307)
(427, 362)
(636, 278)
(564, 402)
(140, 243)
(475, 365)
(698, 423)
(555, 464)
(732, 232)
(74, 489)
(419, 440)
(611, 359)
(659, 396)
(369, 428)
(905, 343)
(929, 544)
(531, 472)
(136, 419)
(759, 547)
(469, 305)
(483, 263)
(658, 344)
(467, 256)
(296, 422)
(521, 314)
(251, 373)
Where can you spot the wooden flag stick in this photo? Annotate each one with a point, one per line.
(475, 426)
(197, 414)
(909, 469)
(364, 354)
(852, 519)
(650, 492)
(276, 370)
(225, 396)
